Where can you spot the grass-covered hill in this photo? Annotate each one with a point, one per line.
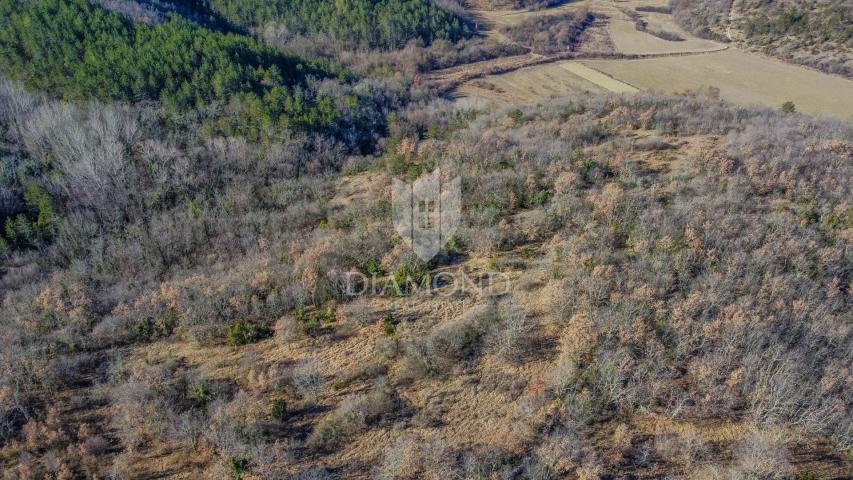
(646, 286)
(677, 283)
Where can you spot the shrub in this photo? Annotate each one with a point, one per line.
(314, 473)
(313, 321)
(410, 275)
(789, 107)
(95, 445)
(354, 415)
(201, 392)
(451, 343)
(389, 325)
(536, 198)
(238, 465)
(455, 244)
(279, 409)
(414, 457)
(243, 332)
(805, 475)
(38, 224)
(513, 332)
(687, 446)
(373, 267)
(148, 328)
(516, 116)
(308, 380)
(763, 455)
(667, 35)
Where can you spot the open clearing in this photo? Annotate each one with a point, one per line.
(596, 77)
(542, 82)
(529, 84)
(695, 64)
(742, 78)
(628, 39)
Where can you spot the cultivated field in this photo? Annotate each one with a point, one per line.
(628, 39)
(695, 63)
(541, 82)
(742, 78)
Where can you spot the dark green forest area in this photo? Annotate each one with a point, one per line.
(195, 81)
(365, 23)
(77, 51)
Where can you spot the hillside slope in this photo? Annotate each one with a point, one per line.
(671, 282)
(816, 33)
(201, 276)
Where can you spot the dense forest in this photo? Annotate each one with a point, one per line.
(365, 23)
(76, 50)
(362, 24)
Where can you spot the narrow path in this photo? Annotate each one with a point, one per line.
(729, 20)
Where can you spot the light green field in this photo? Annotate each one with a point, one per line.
(742, 78)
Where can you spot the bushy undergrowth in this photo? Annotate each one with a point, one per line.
(124, 231)
(551, 33)
(817, 34)
(705, 19)
(733, 264)
(713, 286)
